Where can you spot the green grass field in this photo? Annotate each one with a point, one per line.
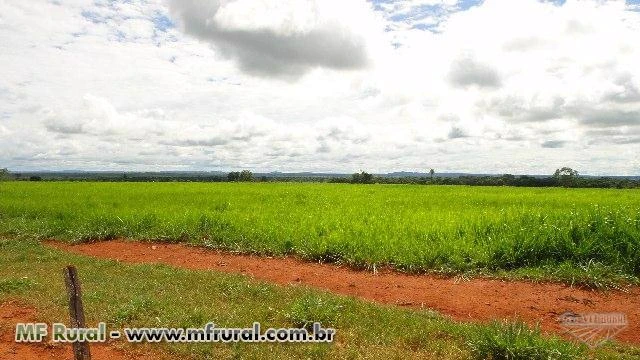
(589, 236)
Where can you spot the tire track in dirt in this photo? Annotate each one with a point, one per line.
(473, 300)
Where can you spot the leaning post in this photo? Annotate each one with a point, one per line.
(76, 311)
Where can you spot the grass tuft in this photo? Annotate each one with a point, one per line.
(517, 341)
(312, 308)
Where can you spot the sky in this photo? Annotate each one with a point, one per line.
(493, 86)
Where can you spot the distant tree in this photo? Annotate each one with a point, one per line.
(362, 178)
(246, 175)
(508, 179)
(5, 174)
(367, 178)
(35, 178)
(565, 171)
(233, 176)
(565, 176)
(431, 173)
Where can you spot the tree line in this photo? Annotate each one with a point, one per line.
(562, 177)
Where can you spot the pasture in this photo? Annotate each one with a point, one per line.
(590, 236)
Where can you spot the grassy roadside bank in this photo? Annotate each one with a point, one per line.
(154, 295)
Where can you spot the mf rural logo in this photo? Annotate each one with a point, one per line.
(595, 328)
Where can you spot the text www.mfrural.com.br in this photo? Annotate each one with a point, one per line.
(38, 332)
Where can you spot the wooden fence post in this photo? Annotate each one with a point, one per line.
(76, 311)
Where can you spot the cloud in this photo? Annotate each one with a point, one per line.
(623, 136)
(608, 117)
(553, 144)
(457, 133)
(246, 128)
(214, 141)
(97, 117)
(539, 109)
(64, 128)
(625, 91)
(467, 71)
(341, 129)
(168, 84)
(520, 109)
(339, 135)
(284, 38)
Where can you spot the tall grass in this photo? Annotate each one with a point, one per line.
(443, 228)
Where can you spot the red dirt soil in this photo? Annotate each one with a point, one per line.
(472, 300)
(12, 312)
